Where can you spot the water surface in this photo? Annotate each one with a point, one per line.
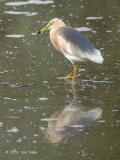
(42, 116)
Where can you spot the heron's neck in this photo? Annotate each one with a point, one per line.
(53, 34)
(54, 29)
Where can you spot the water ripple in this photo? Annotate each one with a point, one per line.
(13, 130)
(21, 13)
(83, 29)
(15, 36)
(94, 18)
(35, 2)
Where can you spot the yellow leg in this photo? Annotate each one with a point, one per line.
(70, 75)
(73, 74)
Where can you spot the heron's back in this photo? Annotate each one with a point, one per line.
(80, 45)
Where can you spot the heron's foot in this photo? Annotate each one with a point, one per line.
(71, 77)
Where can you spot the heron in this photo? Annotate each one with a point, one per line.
(72, 44)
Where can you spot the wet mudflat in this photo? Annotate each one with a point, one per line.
(42, 116)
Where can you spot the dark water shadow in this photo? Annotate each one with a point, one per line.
(92, 82)
(79, 81)
(72, 119)
(16, 85)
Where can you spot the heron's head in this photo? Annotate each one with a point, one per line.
(52, 25)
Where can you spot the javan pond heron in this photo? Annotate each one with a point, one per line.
(73, 44)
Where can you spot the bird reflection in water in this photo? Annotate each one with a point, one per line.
(72, 119)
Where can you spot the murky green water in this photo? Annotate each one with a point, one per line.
(43, 117)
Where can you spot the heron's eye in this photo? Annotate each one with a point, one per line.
(50, 23)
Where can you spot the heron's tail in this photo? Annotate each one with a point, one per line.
(96, 57)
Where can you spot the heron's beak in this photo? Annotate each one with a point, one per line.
(44, 29)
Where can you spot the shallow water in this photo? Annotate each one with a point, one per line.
(42, 116)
